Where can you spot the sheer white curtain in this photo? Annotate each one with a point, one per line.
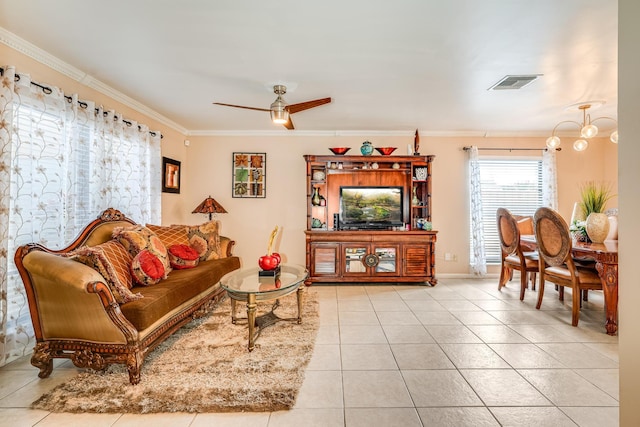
(61, 164)
(549, 179)
(479, 262)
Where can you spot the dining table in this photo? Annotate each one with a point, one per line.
(605, 256)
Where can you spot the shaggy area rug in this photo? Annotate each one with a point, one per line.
(205, 367)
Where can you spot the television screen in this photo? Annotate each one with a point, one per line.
(371, 205)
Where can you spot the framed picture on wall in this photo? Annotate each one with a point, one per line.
(170, 175)
(249, 175)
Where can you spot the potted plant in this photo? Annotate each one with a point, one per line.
(593, 200)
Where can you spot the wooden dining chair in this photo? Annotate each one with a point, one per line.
(555, 262)
(513, 255)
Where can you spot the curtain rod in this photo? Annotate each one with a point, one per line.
(82, 104)
(511, 149)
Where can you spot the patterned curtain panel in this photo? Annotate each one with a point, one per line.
(479, 261)
(62, 163)
(549, 180)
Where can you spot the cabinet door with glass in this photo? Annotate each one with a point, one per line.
(370, 260)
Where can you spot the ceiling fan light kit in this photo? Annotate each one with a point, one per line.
(279, 110)
(587, 129)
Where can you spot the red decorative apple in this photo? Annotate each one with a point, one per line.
(268, 262)
(271, 260)
(277, 255)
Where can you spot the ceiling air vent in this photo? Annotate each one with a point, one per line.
(514, 82)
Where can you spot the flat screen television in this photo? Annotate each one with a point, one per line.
(370, 207)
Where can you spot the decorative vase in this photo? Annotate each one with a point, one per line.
(315, 198)
(366, 149)
(597, 227)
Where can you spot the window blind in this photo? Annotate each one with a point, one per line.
(507, 183)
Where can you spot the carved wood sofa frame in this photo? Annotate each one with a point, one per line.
(109, 339)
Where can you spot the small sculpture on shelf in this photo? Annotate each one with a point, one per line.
(415, 201)
(423, 224)
(315, 197)
(366, 149)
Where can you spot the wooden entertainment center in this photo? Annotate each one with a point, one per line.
(339, 252)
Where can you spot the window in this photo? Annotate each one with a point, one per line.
(63, 162)
(514, 184)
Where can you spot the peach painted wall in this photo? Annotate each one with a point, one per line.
(206, 169)
(250, 221)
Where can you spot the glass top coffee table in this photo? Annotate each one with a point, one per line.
(248, 286)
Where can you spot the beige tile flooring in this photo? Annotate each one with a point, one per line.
(457, 354)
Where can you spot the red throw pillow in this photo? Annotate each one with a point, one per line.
(137, 238)
(183, 256)
(146, 268)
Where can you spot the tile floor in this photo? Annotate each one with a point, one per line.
(457, 354)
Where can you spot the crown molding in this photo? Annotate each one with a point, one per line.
(37, 54)
(322, 133)
(372, 133)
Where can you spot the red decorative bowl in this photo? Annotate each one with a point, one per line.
(339, 151)
(385, 151)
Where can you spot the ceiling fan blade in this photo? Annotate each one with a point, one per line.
(241, 106)
(295, 108)
(288, 124)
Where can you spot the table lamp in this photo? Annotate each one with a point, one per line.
(210, 206)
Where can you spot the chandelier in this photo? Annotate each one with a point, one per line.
(587, 129)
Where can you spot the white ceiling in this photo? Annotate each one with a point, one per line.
(388, 65)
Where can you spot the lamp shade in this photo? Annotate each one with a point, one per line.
(210, 206)
(279, 112)
(587, 129)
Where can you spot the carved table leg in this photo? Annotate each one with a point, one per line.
(233, 311)
(299, 295)
(609, 276)
(251, 319)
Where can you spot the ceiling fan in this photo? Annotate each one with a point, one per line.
(281, 111)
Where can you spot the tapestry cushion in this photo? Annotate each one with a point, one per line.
(205, 239)
(183, 256)
(112, 261)
(170, 235)
(137, 238)
(146, 268)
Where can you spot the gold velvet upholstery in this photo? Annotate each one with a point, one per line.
(180, 286)
(75, 315)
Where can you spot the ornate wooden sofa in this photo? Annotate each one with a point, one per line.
(76, 316)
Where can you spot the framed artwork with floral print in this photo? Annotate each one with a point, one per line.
(249, 175)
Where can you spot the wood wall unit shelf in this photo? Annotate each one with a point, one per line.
(388, 255)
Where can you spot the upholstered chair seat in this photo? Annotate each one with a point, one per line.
(555, 262)
(514, 256)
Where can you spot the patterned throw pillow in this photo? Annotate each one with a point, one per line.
(112, 261)
(146, 268)
(137, 238)
(173, 235)
(205, 239)
(183, 256)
